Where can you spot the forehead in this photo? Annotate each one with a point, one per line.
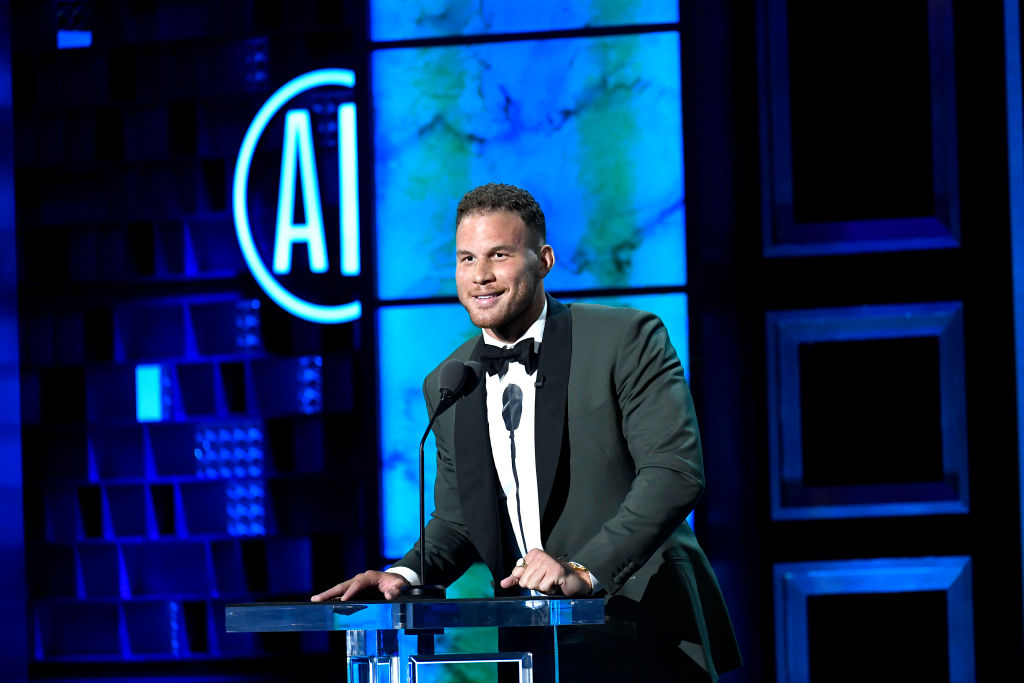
(481, 229)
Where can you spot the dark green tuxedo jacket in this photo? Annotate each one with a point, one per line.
(619, 467)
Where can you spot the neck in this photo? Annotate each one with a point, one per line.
(515, 329)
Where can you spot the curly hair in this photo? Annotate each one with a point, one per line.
(494, 197)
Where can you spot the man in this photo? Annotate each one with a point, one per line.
(591, 492)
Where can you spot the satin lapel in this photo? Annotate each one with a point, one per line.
(474, 467)
(553, 374)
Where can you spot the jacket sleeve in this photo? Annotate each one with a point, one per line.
(659, 429)
(450, 552)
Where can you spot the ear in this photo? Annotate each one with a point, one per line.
(547, 259)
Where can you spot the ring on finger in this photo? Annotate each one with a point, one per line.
(521, 562)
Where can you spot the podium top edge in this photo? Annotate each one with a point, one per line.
(398, 601)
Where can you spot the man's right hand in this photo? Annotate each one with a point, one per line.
(390, 584)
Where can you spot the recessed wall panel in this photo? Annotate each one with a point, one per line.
(867, 411)
(859, 111)
(883, 618)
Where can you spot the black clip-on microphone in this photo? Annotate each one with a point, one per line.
(454, 380)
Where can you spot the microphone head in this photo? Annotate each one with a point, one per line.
(451, 377)
(512, 406)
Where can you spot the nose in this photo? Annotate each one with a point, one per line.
(482, 271)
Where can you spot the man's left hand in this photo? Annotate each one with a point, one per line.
(547, 575)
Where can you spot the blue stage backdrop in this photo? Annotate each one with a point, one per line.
(187, 441)
(185, 174)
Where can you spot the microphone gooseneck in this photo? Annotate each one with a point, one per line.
(455, 379)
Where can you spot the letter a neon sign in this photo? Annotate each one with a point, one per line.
(298, 156)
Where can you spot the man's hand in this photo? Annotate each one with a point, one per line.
(548, 575)
(391, 585)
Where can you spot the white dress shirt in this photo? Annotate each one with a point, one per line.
(501, 444)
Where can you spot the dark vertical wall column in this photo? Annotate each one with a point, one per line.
(720, 120)
(1015, 154)
(12, 535)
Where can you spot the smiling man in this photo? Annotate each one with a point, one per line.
(591, 493)
(500, 272)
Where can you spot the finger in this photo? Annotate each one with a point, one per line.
(531, 572)
(548, 583)
(515, 577)
(329, 593)
(535, 556)
(356, 585)
(391, 587)
(537, 570)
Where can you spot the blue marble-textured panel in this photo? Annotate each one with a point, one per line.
(414, 340)
(410, 19)
(592, 127)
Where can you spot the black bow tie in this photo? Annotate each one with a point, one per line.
(495, 360)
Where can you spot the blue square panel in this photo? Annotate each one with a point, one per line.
(867, 411)
(407, 19)
(413, 341)
(817, 622)
(592, 127)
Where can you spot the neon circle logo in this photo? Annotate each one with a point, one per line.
(297, 156)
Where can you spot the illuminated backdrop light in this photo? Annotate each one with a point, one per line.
(149, 393)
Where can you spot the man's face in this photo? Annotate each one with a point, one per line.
(499, 273)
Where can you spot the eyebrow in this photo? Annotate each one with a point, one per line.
(498, 247)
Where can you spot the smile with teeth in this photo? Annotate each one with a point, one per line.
(487, 300)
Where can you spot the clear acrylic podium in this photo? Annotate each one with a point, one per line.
(382, 636)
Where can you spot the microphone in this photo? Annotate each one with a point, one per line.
(511, 412)
(455, 379)
(512, 406)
